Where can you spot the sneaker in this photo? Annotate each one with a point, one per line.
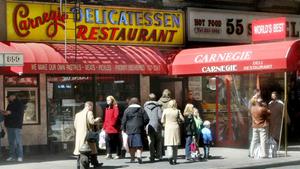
(117, 157)
(10, 159)
(108, 156)
(20, 159)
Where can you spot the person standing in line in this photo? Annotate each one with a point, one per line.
(260, 122)
(170, 118)
(190, 129)
(134, 122)
(164, 102)
(82, 120)
(207, 138)
(276, 109)
(13, 121)
(153, 129)
(112, 128)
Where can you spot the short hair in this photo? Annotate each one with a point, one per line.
(152, 97)
(206, 123)
(88, 103)
(134, 100)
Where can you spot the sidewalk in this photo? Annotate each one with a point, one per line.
(223, 158)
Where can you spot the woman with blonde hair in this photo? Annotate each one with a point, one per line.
(112, 128)
(83, 120)
(170, 118)
(190, 128)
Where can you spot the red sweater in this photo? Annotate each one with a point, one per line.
(111, 117)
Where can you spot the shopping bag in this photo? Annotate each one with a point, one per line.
(125, 141)
(102, 144)
(272, 148)
(257, 151)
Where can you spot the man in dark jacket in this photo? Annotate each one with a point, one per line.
(153, 129)
(13, 120)
(133, 123)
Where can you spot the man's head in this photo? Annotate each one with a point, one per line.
(11, 96)
(88, 105)
(152, 97)
(134, 100)
(274, 95)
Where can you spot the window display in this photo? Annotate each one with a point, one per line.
(26, 88)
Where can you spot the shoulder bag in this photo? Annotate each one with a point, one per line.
(91, 136)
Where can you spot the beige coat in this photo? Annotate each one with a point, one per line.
(172, 129)
(81, 130)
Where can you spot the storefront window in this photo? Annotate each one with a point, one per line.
(66, 96)
(122, 87)
(225, 104)
(26, 89)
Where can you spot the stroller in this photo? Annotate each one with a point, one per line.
(195, 154)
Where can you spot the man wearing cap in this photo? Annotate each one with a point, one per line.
(13, 121)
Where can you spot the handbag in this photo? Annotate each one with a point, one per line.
(91, 136)
(179, 121)
(2, 134)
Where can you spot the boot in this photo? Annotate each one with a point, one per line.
(94, 161)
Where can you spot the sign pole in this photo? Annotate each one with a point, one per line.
(285, 113)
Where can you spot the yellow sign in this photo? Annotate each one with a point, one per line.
(94, 24)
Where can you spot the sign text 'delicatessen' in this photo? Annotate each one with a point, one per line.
(45, 22)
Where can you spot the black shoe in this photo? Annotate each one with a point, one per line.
(140, 161)
(151, 159)
(171, 161)
(98, 165)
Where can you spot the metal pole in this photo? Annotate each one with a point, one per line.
(285, 113)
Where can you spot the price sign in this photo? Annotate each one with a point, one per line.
(11, 59)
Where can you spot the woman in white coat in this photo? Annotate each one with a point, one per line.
(170, 118)
(80, 124)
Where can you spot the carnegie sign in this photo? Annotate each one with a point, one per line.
(94, 24)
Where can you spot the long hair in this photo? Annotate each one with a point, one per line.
(172, 104)
(189, 109)
(114, 101)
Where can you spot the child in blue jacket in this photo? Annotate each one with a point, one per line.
(207, 138)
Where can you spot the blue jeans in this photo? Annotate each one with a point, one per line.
(188, 142)
(206, 150)
(15, 142)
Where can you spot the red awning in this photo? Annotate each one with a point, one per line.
(260, 58)
(90, 59)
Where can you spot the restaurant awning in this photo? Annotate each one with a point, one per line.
(260, 58)
(90, 59)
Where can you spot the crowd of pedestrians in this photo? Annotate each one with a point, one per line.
(158, 123)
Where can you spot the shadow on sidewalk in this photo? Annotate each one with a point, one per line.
(284, 164)
(41, 158)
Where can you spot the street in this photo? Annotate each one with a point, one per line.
(222, 158)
